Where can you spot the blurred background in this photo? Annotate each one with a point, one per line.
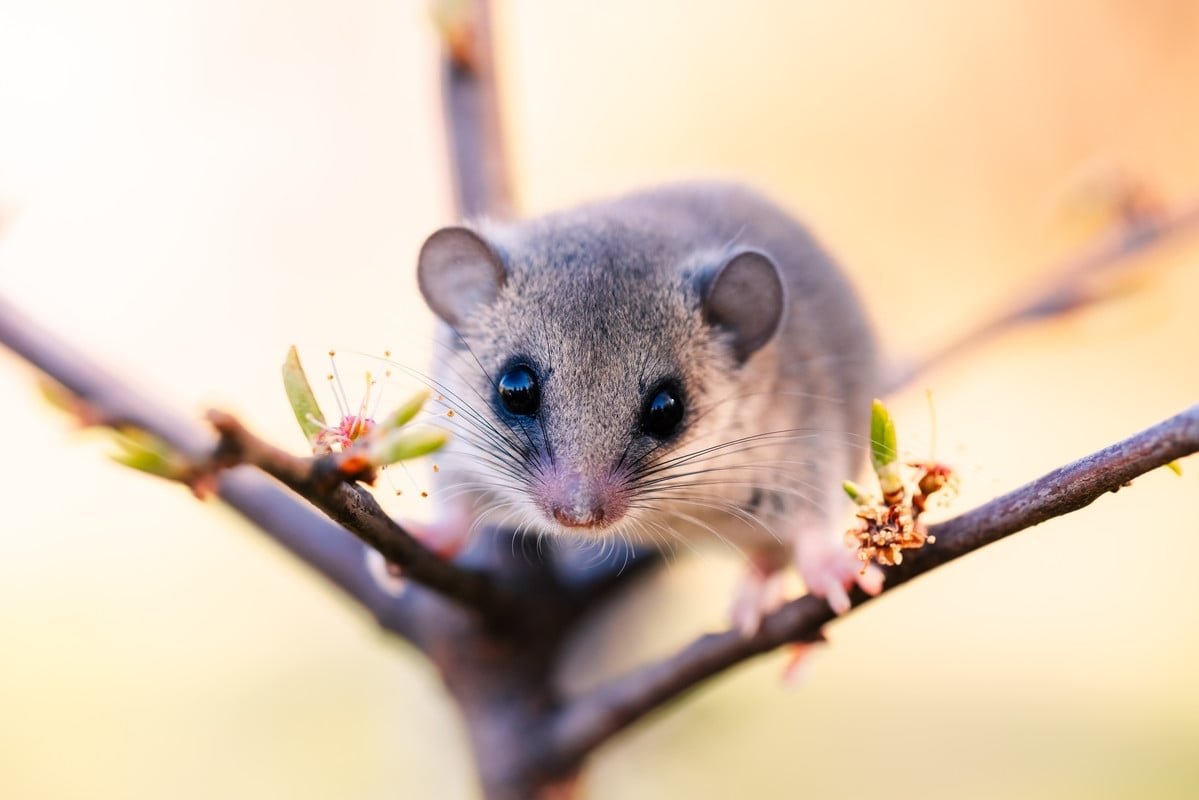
(188, 187)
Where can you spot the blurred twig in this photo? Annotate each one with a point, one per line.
(470, 102)
(1070, 285)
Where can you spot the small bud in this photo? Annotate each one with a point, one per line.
(884, 453)
(855, 492)
(147, 453)
(883, 446)
(933, 477)
(1175, 467)
(57, 395)
(890, 481)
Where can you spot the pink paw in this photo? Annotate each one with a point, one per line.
(829, 570)
(445, 537)
(759, 593)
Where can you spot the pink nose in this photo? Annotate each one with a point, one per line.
(576, 501)
(575, 517)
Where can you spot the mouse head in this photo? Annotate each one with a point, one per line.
(588, 358)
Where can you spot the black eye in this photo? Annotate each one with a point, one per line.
(663, 412)
(519, 392)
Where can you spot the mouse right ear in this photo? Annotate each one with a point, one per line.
(744, 297)
(457, 270)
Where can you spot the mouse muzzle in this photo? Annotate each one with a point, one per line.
(580, 502)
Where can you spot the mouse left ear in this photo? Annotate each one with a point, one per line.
(458, 270)
(744, 297)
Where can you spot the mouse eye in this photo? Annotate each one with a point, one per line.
(663, 412)
(518, 391)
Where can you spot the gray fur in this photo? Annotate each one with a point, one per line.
(607, 299)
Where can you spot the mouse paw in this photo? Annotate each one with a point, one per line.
(445, 537)
(761, 591)
(829, 570)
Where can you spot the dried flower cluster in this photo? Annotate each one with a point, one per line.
(887, 527)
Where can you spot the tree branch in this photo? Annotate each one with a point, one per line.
(279, 513)
(357, 510)
(591, 719)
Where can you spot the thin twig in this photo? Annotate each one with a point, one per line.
(1067, 286)
(470, 104)
(282, 515)
(591, 719)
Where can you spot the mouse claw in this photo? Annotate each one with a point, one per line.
(834, 592)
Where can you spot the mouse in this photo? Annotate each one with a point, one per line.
(679, 366)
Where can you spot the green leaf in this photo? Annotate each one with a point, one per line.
(404, 445)
(147, 453)
(300, 397)
(57, 395)
(883, 446)
(854, 491)
(404, 414)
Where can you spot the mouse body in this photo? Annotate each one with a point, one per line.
(679, 365)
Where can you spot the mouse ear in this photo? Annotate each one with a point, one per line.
(457, 270)
(745, 298)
